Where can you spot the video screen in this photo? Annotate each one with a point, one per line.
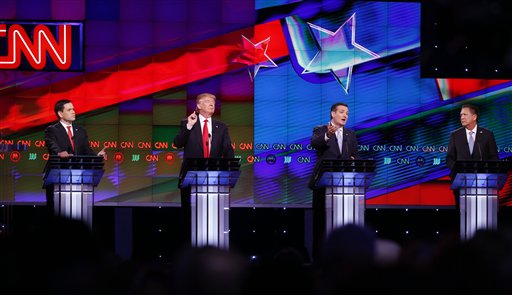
(276, 67)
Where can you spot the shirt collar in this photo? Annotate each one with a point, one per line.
(201, 119)
(474, 130)
(65, 125)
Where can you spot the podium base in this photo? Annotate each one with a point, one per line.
(74, 201)
(210, 215)
(478, 210)
(344, 205)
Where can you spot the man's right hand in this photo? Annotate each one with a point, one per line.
(331, 130)
(191, 120)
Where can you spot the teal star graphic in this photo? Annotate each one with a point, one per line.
(338, 52)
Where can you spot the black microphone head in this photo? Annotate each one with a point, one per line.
(209, 135)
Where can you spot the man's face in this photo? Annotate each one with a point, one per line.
(340, 115)
(68, 113)
(467, 119)
(206, 106)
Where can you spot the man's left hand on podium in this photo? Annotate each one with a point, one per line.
(102, 152)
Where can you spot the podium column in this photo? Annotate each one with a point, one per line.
(210, 181)
(478, 203)
(210, 215)
(72, 181)
(345, 199)
(74, 201)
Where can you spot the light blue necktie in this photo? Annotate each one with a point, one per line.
(471, 142)
(339, 137)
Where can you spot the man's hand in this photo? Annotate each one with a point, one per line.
(102, 152)
(64, 154)
(191, 120)
(331, 130)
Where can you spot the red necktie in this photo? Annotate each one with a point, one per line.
(70, 135)
(206, 140)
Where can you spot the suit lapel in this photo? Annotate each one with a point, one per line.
(345, 141)
(76, 137)
(64, 136)
(479, 134)
(334, 142)
(196, 133)
(464, 138)
(478, 143)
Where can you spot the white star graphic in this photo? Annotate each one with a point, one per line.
(255, 55)
(336, 54)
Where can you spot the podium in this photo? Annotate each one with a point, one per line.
(73, 180)
(478, 183)
(210, 181)
(345, 182)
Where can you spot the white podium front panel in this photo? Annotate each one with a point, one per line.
(344, 205)
(74, 201)
(210, 215)
(478, 210)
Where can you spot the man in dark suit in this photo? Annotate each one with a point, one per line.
(66, 139)
(470, 143)
(201, 136)
(331, 141)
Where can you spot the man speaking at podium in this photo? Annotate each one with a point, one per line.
(201, 137)
(335, 142)
(66, 139)
(470, 143)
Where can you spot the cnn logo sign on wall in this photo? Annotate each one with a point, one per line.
(46, 46)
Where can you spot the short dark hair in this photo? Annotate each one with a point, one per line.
(59, 106)
(336, 105)
(474, 109)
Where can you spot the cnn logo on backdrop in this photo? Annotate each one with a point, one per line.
(41, 46)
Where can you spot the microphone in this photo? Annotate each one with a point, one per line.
(208, 141)
(345, 137)
(479, 150)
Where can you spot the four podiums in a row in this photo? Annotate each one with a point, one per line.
(346, 181)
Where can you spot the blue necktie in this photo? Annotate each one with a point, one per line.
(471, 142)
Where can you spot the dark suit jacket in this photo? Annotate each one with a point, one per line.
(330, 149)
(191, 141)
(57, 140)
(485, 148)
